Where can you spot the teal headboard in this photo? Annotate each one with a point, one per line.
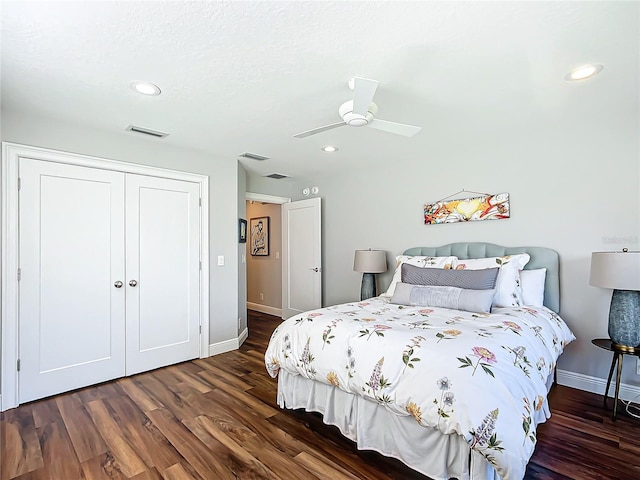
(540, 258)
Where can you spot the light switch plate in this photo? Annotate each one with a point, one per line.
(220, 260)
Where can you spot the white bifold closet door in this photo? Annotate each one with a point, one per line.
(109, 275)
(72, 318)
(163, 257)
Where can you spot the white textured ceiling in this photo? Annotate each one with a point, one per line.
(246, 76)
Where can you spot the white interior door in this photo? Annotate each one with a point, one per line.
(163, 256)
(72, 325)
(302, 259)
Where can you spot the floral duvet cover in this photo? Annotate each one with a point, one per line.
(481, 376)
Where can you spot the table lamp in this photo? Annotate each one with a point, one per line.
(621, 272)
(369, 262)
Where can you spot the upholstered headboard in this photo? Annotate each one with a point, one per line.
(540, 258)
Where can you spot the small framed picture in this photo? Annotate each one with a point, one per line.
(259, 236)
(242, 237)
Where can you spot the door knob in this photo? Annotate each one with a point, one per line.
(118, 284)
(133, 283)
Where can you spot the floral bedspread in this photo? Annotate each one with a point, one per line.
(482, 376)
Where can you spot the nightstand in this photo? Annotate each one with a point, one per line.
(619, 351)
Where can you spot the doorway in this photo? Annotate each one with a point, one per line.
(264, 262)
(299, 255)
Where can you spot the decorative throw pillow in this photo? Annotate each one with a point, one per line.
(478, 301)
(508, 289)
(419, 261)
(532, 282)
(484, 279)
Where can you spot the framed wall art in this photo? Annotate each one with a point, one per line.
(485, 207)
(259, 236)
(242, 231)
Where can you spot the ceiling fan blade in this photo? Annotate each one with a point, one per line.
(363, 91)
(319, 129)
(393, 127)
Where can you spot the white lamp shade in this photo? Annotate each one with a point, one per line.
(616, 270)
(370, 261)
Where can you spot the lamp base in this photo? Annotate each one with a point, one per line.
(368, 288)
(624, 318)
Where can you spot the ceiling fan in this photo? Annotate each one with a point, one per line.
(361, 110)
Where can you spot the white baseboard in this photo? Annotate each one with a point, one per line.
(265, 309)
(228, 345)
(223, 347)
(597, 385)
(243, 336)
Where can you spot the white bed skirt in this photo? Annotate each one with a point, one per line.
(372, 427)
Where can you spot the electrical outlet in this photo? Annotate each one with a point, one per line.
(262, 296)
(638, 366)
(239, 320)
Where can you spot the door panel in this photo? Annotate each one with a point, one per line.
(302, 259)
(71, 253)
(163, 254)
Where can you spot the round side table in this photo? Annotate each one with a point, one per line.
(619, 351)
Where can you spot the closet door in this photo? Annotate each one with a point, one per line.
(162, 272)
(72, 325)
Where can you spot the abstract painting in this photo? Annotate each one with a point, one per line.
(486, 207)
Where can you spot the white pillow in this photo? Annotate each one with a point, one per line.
(532, 283)
(508, 289)
(418, 261)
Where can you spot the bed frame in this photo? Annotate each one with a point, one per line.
(372, 427)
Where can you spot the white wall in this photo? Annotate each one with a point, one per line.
(284, 187)
(224, 190)
(574, 183)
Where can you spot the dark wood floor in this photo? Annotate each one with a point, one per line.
(217, 419)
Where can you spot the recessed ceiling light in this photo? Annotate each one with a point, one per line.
(583, 71)
(145, 88)
(329, 148)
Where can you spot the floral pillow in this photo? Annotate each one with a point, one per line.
(508, 288)
(418, 261)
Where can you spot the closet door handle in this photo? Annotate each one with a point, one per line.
(118, 284)
(133, 283)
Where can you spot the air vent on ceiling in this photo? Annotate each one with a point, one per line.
(253, 156)
(277, 176)
(146, 131)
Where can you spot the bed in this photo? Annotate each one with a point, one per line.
(447, 371)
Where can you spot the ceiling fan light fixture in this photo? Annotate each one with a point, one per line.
(583, 71)
(361, 111)
(145, 88)
(355, 119)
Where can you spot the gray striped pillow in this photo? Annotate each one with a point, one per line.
(445, 297)
(484, 279)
